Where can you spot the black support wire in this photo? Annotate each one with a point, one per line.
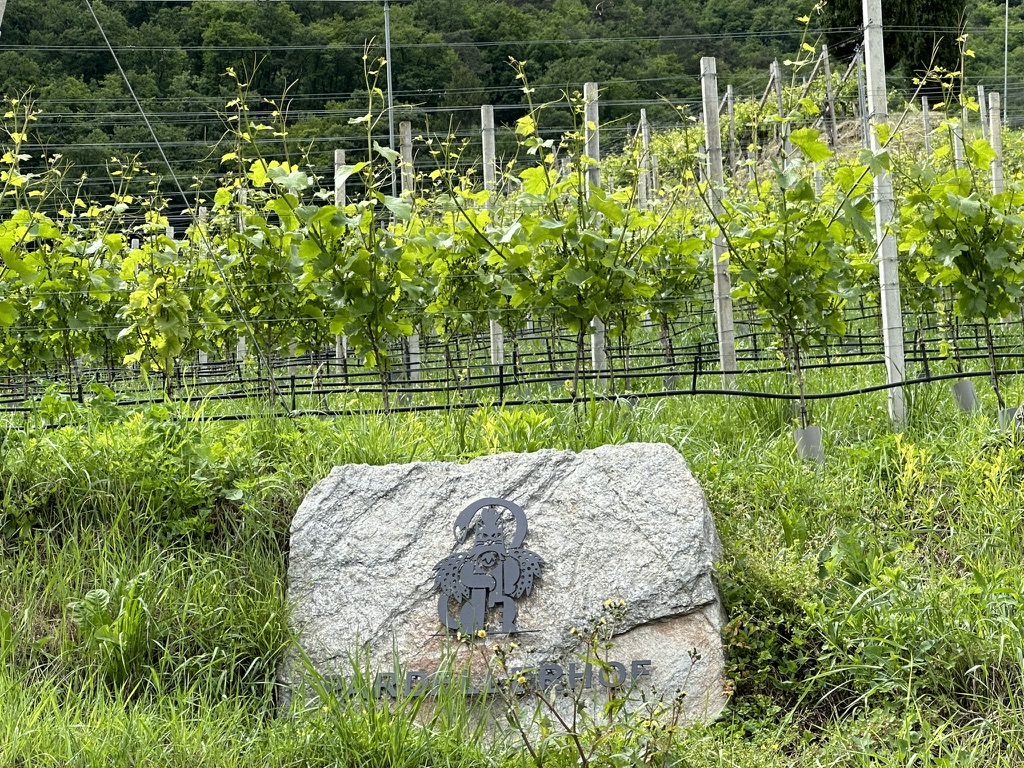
(457, 374)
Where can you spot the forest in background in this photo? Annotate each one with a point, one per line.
(450, 56)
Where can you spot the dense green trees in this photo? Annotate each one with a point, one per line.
(920, 34)
(449, 57)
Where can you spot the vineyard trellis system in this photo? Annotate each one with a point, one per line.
(567, 275)
(320, 383)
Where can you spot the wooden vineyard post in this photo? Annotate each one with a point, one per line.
(408, 192)
(592, 150)
(996, 137)
(885, 215)
(716, 183)
(340, 342)
(490, 171)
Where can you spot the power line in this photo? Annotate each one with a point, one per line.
(441, 44)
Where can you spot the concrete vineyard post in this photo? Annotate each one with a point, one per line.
(730, 101)
(644, 174)
(490, 170)
(885, 215)
(592, 144)
(339, 182)
(995, 132)
(240, 344)
(830, 102)
(202, 217)
(716, 182)
(787, 148)
(926, 126)
(861, 101)
(408, 192)
(405, 143)
(592, 134)
(340, 342)
(983, 112)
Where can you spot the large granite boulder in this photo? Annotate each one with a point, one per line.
(439, 560)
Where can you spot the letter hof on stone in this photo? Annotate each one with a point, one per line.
(494, 575)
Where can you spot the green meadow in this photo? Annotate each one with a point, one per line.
(874, 601)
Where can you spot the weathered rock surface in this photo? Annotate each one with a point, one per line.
(626, 522)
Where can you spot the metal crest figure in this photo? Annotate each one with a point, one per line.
(493, 572)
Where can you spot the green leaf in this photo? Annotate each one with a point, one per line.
(577, 275)
(525, 126)
(296, 181)
(610, 208)
(342, 173)
(535, 180)
(258, 173)
(8, 313)
(980, 152)
(806, 140)
(399, 207)
(387, 153)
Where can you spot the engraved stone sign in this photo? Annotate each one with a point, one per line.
(421, 562)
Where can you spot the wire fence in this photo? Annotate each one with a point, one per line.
(658, 358)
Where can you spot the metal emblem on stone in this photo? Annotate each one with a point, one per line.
(492, 573)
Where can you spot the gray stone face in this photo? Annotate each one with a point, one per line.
(621, 523)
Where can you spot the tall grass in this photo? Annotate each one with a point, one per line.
(875, 601)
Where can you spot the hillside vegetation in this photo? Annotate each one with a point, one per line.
(874, 603)
(449, 56)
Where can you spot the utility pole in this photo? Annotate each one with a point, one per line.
(1006, 57)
